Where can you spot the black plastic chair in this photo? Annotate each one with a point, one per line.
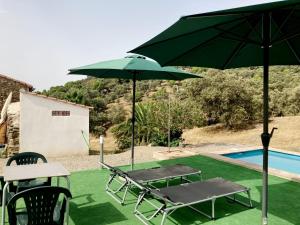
(2, 183)
(26, 158)
(43, 206)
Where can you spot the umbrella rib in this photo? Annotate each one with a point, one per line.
(225, 12)
(284, 22)
(253, 28)
(293, 51)
(240, 46)
(286, 37)
(199, 45)
(240, 38)
(289, 44)
(174, 76)
(188, 33)
(236, 37)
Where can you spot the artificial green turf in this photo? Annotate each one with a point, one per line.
(92, 206)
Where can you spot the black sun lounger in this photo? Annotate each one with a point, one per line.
(187, 195)
(144, 177)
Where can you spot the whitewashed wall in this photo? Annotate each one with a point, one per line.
(52, 135)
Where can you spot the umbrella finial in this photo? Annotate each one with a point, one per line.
(136, 56)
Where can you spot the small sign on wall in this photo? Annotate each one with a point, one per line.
(60, 113)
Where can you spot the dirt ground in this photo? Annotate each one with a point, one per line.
(287, 137)
(201, 140)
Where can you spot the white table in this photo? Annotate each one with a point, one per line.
(32, 171)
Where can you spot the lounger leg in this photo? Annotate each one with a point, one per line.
(234, 199)
(113, 193)
(139, 201)
(199, 211)
(158, 210)
(249, 196)
(110, 180)
(125, 194)
(213, 209)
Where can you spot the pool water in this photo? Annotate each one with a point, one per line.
(277, 160)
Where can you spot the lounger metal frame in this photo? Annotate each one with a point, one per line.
(167, 207)
(126, 183)
(124, 186)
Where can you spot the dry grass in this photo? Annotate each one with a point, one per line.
(286, 137)
(110, 144)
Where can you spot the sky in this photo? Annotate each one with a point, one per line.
(41, 39)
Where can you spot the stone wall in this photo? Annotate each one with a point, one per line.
(3, 133)
(13, 128)
(11, 85)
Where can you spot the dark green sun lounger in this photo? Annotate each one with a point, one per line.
(144, 178)
(188, 195)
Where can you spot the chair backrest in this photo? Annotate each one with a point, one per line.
(40, 204)
(25, 158)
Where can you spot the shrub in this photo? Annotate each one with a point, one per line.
(151, 127)
(116, 114)
(225, 99)
(122, 133)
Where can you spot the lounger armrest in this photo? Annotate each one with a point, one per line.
(114, 170)
(121, 173)
(106, 166)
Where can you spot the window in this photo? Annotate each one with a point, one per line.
(60, 113)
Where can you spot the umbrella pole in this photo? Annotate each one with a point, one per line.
(265, 136)
(133, 118)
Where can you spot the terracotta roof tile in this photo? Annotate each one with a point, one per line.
(56, 99)
(18, 81)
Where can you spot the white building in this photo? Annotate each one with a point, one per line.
(53, 127)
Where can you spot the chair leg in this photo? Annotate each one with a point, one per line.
(5, 189)
(213, 208)
(67, 211)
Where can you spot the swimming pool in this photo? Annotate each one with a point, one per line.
(277, 160)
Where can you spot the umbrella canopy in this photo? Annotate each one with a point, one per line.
(258, 35)
(230, 38)
(130, 67)
(133, 67)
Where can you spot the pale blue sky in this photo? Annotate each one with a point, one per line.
(41, 39)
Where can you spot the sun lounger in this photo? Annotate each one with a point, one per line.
(145, 177)
(188, 195)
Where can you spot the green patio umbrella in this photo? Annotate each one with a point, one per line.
(134, 67)
(258, 35)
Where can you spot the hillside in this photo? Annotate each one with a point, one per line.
(287, 136)
(232, 98)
